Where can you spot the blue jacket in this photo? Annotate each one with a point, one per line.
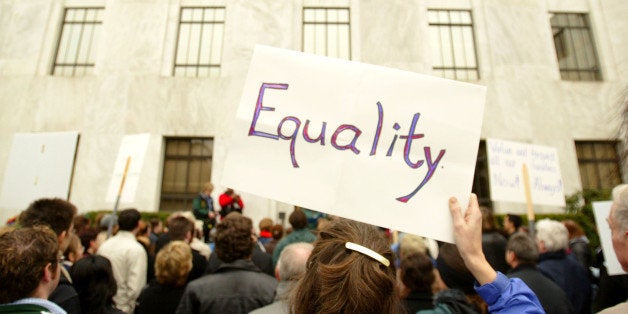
(509, 296)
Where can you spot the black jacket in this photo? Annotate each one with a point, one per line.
(552, 297)
(237, 287)
(65, 295)
(570, 276)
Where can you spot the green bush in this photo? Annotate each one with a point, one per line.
(146, 216)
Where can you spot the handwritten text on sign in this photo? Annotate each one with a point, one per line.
(355, 131)
(505, 163)
(373, 144)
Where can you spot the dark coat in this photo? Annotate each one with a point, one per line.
(552, 297)
(570, 276)
(262, 260)
(156, 298)
(65, 295)
(417, 301)
(237, 287)
(494, 248)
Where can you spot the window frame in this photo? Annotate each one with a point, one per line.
(449, 25)
(60, 33)
(198, 65)
(601, 178)
(185, 197)
(596, 71)
(327, 23)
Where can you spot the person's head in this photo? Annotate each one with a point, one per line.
(88, 240)
(265, 224)
(411, 243)
(92, 277)
(229, 192)
(488, 220)
(234, 238)
(521, 250)
(417, 272)
(297, 219)
(129, 219)
(55, 213)
(75, 249)
(80, 223)
(277, 231)
(208, 188)
(292, 261)
(573, 228)
(341, 280)
(173, 264)
(108, 220)
(156, 225)
(551, 236)
(618, 222)
(512, 223)
(29, 263)
(452, 269)
(181, 229)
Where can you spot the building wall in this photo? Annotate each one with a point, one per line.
(132, 89)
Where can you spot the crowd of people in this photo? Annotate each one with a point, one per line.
(56, 261)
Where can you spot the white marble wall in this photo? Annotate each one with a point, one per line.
(132, 90)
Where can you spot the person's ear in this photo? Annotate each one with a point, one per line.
(62, 236)
(49, 272)
(510, 257)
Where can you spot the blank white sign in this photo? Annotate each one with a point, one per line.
(40, 165)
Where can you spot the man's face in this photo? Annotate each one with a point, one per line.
(508, 226)
(620, 244)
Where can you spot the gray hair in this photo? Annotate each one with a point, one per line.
(553, 233)
(620, 199)
(292, 261)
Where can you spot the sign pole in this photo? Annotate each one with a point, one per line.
(115, 207)
(526, 185)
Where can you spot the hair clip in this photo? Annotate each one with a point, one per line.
(368, 252)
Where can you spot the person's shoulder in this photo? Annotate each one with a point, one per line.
(23, 309)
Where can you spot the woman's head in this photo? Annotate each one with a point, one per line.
(173, 264)
(93, 280)
(343, 280)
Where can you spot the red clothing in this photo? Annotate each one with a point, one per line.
(225, 200)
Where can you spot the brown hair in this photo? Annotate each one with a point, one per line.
(339, 280)
(488, 220)
(24, 253)
(233, 238)
(173, 264)
(573, 228)
(55, 213)
(265, 224)
(297, 219)
(178, 227)
(417, 272)
(277, 231)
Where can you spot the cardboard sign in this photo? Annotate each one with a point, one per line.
(40, 165)
(505, 161)
(373, 144)
(133, 146)
(601, 210)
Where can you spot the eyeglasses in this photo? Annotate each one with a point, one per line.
(60, 260)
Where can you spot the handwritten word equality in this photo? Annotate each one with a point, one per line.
(352, 145)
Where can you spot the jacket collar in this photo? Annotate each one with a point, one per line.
(240, 264)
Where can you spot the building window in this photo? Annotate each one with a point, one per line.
(199, 43)
(326, 31)
(575, 51)
(187, 166)
(78, 41)
(480, 178)
(599, 164)
(453, 44)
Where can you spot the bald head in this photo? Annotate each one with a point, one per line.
(292, 261)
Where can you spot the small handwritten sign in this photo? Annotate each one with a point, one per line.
(505, 160)
(373, 144)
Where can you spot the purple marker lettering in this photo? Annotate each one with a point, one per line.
(350, 146)
(292, 138)
(430, 172)
(392, 144)
(259, 107)
(307, 137)
(411, 136)
(380, 112)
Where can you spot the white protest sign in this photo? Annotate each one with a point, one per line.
(373, 144)
(505, 162)
(39, 165)
(133, 146)
(601, 210)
